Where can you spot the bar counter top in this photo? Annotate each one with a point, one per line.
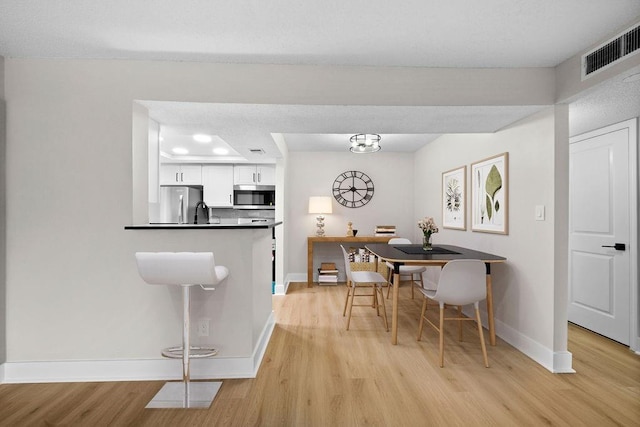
(225, 226)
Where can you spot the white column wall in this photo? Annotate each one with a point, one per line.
(3, 224)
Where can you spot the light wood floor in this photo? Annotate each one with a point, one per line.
(315, 373)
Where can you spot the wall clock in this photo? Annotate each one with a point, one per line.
(353, 189)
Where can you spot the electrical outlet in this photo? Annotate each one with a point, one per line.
(203, 328)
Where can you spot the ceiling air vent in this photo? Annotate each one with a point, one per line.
(256, 150)
(611, 52)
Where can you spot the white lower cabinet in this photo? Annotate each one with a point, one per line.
(217, 181)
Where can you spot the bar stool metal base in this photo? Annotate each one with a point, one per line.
(192, 394)
(194, 352)
(169, 268)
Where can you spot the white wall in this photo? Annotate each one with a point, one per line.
(523, 287)
(72, 291)
(392, 202)
(282, 214)
(3, 240)
(569, 82)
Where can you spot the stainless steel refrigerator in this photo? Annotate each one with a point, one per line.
(178, 204)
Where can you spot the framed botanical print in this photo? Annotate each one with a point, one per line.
(489, 195)
(454, 198)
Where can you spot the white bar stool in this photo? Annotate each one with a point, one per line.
(185, 269)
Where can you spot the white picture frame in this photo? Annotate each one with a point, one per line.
(454, 198)
(490, 195)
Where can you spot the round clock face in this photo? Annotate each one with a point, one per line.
(353, 189)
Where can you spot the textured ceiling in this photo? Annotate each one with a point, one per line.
(327, 127)
(423, 33)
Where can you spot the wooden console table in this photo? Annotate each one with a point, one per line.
(311, 240)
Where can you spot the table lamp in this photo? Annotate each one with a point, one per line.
(320, 205)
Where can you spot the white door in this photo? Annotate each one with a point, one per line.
(599, 231)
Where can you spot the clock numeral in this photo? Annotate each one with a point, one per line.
(353, 189)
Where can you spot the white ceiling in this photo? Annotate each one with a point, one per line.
(326, 127)
(424, 33)
(416, 33)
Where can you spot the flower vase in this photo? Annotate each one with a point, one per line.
(426, 242)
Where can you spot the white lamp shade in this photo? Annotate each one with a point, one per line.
(320, 205)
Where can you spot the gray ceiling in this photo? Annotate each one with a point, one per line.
(423, 33)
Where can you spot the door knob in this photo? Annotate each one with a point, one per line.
(616, 246)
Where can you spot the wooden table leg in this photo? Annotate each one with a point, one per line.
(492, 326)
(394, 313)
(309, 264)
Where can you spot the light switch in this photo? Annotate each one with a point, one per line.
(539, 212)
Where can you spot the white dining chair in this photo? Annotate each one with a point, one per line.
(413, 271)
(184, 269)
(461, 282)
(359, 280)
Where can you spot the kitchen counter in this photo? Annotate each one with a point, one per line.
(223, 225)
(239, 311)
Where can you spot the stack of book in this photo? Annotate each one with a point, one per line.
(385, 230)
(360, 255)
(327, 273)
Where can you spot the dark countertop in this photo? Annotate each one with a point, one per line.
(259, 225)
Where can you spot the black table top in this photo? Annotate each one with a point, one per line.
(394, 253)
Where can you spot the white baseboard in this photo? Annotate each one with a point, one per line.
(280, 289)
(292, 277)
(562, 363)
(556, 362)
(138, 370)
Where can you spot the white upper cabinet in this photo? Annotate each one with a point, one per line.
(175, 174)
(254, 174)
(217, 181)
(266, 174)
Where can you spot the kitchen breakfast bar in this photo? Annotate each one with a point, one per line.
(238, 314)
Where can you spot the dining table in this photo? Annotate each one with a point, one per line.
(438, 255)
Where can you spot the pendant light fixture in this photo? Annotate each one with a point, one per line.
(365, 143)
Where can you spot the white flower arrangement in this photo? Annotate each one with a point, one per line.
(428, 226)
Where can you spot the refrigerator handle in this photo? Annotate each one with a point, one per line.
(181, 211)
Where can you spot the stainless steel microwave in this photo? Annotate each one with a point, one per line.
(254, 196)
